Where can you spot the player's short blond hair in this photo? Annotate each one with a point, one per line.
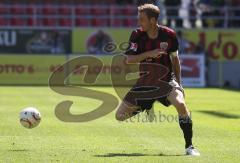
(150, 10)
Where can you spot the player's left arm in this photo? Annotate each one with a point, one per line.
(173, 51)
(176, 66)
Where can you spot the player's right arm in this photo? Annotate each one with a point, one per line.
(133, 55)
(140, 57)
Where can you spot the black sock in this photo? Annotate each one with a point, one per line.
(186, 126)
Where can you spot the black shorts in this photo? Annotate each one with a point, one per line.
(146, 103)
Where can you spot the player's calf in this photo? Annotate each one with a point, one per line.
(125, 111)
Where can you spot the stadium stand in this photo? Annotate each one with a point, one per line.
(108, 13)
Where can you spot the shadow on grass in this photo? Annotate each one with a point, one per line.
(220, 114)
(132, 155)
(231, 89)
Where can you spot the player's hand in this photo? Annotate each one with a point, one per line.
(156, 53)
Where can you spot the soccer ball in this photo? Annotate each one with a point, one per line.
(30, 117)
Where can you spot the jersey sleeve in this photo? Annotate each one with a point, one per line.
(133, 44)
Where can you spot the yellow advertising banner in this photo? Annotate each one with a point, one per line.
(36, 69)
(28, 69)
(93, 40)
(84, 70)
(217, 44)
(102, 72)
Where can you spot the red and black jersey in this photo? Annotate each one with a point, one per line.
(166, 41)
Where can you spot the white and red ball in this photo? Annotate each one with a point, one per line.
(30, 117)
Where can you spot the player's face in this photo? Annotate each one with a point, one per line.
(143, 21)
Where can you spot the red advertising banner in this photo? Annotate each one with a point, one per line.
(193, 70)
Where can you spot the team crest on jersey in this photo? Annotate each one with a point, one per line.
(163, 46)
(133, 46)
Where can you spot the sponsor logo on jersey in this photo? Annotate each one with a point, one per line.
(163, 46)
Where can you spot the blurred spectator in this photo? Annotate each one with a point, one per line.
(184, 13)
(188, 13)
(193, 12)
(234, 13)
(218, 12)
(172, 12)
(205, 8)
(160, 4)
(213, 9)
(184, 45)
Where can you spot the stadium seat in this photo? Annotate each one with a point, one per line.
(17, 22)
(100, 22)
(115, 10)
(30, 9)
(130, 10)
(49, 10)
(82, 22)
(4, 10)
(117, 22)
(130, 22)
(82, 10)
(64, 10)
(30, 21)
(48, 22)
(3, 21)
(96, 10)
(65, 22)
(18, 9)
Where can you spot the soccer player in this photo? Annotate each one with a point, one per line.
(153, 44)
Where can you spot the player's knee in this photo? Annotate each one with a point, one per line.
(119, 117)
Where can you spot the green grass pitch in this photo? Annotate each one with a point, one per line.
(215, 113)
